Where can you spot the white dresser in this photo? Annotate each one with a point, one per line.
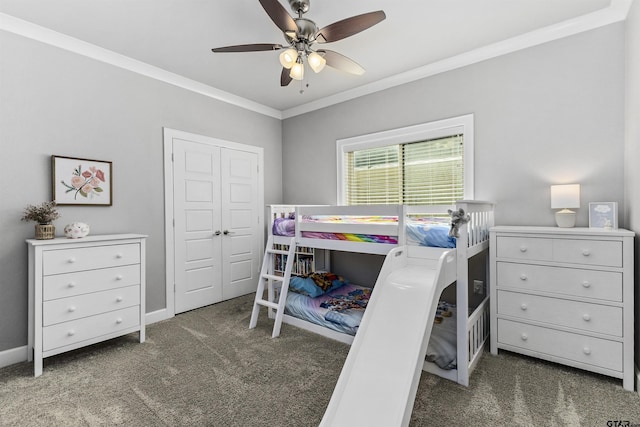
(83, 291)
(564, 295)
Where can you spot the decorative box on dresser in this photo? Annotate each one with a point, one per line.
(83, 291)
(565, 295)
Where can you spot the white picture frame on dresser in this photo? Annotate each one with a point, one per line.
(603, 215)
(83, 291)
(565, 295)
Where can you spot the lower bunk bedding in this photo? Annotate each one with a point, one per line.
(341, 309)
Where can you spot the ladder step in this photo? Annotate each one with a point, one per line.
(267, 303)
(273, 277)
(267, 273)
(277, 251)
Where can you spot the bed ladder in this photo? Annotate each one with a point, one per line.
(267, 278)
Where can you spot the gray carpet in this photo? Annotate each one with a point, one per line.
(206, 368)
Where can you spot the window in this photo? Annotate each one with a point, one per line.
(426, 164)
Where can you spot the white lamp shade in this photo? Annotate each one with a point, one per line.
(288, 58)
(316, 61)
(565, 196)
(297, 71)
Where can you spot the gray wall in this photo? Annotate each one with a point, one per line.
(549, 114)
(632, 180)
(56, 102)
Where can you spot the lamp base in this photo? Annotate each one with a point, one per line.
(566, 218)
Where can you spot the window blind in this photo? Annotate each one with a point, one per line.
(425, 172)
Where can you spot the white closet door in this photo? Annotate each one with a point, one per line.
(198, 246)
(242, 242)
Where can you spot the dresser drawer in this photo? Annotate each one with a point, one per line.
(88, 258)
(524, 248)
(68, 333)
(65, 309)
(84, 282)
(575, 251)
(580, 348)
(604, 285)
(591, 252)
(573, 314)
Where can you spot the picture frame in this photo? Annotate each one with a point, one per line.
(603, 215)
(81, 182)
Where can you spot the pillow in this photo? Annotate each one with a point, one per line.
(316, 284)
(430, 235)
(284, 227)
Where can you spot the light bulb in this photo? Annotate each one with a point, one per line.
(316, 61)
(288, 58)
(297, 71)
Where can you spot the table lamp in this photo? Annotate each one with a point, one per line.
(565, 197)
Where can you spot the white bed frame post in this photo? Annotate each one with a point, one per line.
(462, 301)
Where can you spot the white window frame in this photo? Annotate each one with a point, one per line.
(422, 132)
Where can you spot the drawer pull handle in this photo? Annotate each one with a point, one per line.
(523, 277)
(524, 337)
(586, 252)
(72, 260)
(523, 248)
(119, 255)
(586, 284)
(118, 320)
(72, 284)
(523, 307)
(586, 351)
(586, 317)
(119, 277)
(72, 309)
(71, 333)
(119, 299)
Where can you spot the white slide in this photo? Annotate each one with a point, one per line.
(379, 379)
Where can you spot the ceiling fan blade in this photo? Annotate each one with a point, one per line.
(256, 47)
(348, 27)
(341, 62)
(285, 78)
(280, 16)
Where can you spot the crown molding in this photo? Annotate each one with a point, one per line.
(42, 34)
(616, 12)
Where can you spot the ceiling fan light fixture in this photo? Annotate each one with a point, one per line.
(288, 58)
(316, 61)
(301, 34)
(297, 71)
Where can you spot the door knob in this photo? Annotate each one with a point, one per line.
(217, 233)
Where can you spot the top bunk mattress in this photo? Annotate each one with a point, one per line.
(432, 233)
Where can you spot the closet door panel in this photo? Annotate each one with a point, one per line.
(241, 245)
(198, 270)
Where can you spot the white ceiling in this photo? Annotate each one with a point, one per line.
(417, 38)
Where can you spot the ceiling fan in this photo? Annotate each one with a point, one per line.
(302, 34)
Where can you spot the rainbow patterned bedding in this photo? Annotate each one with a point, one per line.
(342, 309)
(352, 237)
(423, 233)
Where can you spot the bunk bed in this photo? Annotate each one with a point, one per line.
(459, 332)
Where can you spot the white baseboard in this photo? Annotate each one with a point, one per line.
(13, 356)
(19, 354)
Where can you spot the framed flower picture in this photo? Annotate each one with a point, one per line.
(78, 181)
